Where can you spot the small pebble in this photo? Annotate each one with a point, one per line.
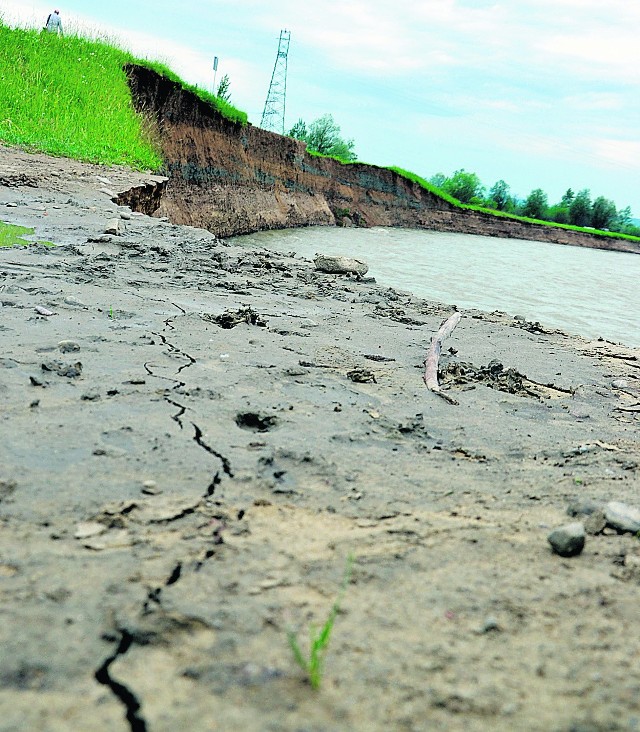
(68, 346)
(620, 384)
(150, 488)
(71, 300)
(490, 625)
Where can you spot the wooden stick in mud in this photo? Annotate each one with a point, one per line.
(430, 376)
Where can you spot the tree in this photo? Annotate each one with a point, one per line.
(223, 89)
(603, 213)
(438, 180)
(299, 130)
(580, 209)
(500, 194)
(622, 221)
(537, 205)
(568, 197)
(323, 136)
(559, 214)
(466, 187)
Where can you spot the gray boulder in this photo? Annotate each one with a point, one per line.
(622, 517)
(568, 540)
(335, 264)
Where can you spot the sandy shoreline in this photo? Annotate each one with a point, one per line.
(176, 494)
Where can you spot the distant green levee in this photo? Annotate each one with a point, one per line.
(13, 236)
(69, 96)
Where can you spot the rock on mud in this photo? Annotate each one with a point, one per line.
(568, 540)
(622, 517)
(340, 265)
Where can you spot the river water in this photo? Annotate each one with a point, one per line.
(589, 292)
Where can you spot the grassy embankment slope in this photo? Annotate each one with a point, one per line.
(69, 96)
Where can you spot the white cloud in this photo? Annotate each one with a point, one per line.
(617, 153)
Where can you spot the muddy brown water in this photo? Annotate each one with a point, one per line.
(589, 292)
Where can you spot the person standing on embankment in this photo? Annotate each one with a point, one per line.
(54, 23)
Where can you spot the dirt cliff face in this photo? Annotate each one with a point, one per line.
(234, 179)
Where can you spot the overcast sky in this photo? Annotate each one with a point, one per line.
(542, 93)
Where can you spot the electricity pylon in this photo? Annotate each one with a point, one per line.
(274, 107)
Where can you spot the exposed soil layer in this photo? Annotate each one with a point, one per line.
(233, 179)
(196, 436)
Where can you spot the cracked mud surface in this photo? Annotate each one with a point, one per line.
(186, 464)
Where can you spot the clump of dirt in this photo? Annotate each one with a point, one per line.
(494, 375)
(230, 318)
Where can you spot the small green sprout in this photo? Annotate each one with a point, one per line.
(319, 639)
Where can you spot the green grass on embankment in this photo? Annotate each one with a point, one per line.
(69, 96)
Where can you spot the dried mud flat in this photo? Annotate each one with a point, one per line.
(199, 435)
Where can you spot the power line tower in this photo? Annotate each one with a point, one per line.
(274, 107)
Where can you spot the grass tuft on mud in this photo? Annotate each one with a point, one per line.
(13, 236)
(69, 96)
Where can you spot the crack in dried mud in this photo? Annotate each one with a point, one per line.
(122, 692)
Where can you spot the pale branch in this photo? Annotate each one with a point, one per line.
(430, 376)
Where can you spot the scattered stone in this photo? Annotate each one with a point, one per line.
(74, 302)
(125, 215)
(490, 625)
(150, 488)
(113, 227)
(91, 396)
(579, 411)
(622, 517)
(44, 311)
(582, 508)
(68, 346)
(108, 192)
(85, 529)
(620, 384)
(12, 205)
(293, 371)
(595, 523)
(340, 265)
(568, 540)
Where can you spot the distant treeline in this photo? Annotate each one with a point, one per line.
(577, 209)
